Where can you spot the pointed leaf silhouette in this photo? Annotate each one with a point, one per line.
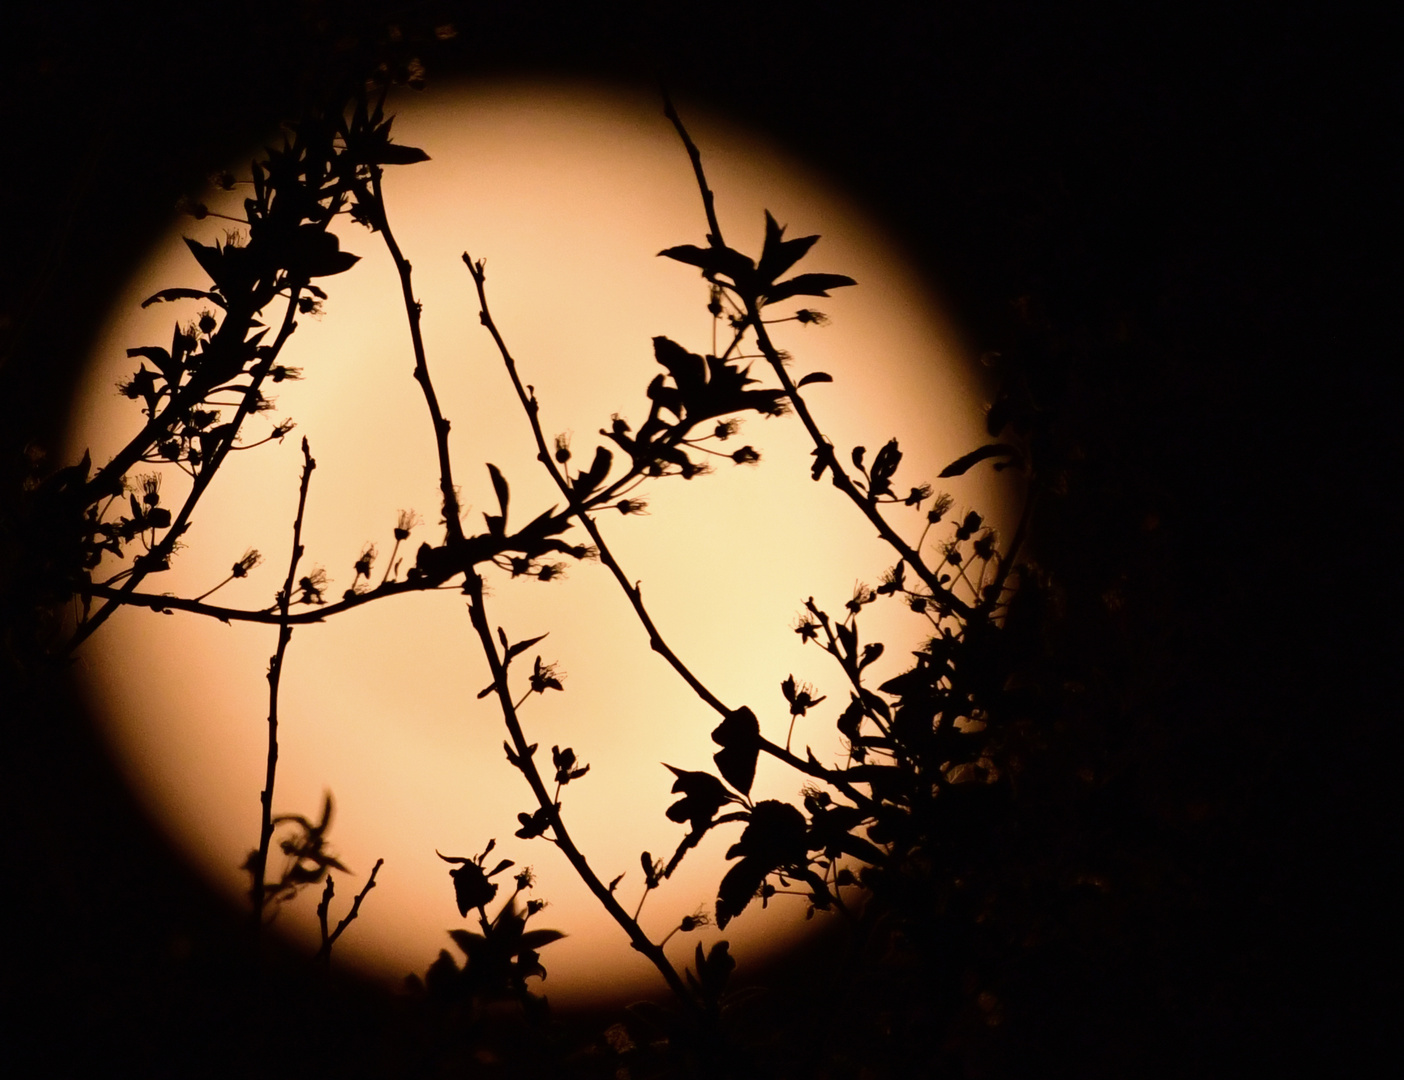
(587, 481)
(396, 154)
(714, 260)
(806, 285)
(779, 254)
(738, 887)
(499, 485)
(535, 939)
(521, 647)
(961, 464)
(183, 294)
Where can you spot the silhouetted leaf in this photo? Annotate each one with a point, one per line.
(847, 639)
(851, 719)
(814, 377)
(471, 943)
(871, 652)
(775, 832)
(522, 646)
(183, 294)
(738, 887)
(500, 486)
(713, 970)
(739, 738)
(396, 154)
(779, 254)
(535, 939)
(806, 285)
(703, 795)
(884, 468)
(315, 253)
(587, 481)
(961, 464)
(714, 260)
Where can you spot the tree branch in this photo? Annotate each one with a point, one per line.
(526, 763)
(632, 590)
(258, 869)
(324, 952)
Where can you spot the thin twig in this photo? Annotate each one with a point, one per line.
(324, 953)
(257, 889)
(452, 513)
(160, 602)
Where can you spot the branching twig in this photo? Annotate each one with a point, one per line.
(324, 952)
(632, 590)
(163, 550)
(823, 448)
(526, 763)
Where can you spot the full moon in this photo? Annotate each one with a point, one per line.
(568, 192)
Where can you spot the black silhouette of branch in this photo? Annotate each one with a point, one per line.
(526, 764)
(259, 862)
(320, 613)
(328, 940)
(632, 590)
(822, 447)
(413, 309)
(161, 553)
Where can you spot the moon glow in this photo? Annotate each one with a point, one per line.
(567, 192)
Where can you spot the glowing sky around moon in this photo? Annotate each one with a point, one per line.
(567, 192)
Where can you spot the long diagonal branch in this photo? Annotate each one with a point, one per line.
(823, 448)
(637, 938)
(632, 590)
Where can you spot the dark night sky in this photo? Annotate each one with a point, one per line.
(1203, 177)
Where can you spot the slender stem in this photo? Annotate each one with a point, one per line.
(268, 616)
(637, 938)
(324, 953)
(257, 889)
(211, 592)
(452, 513)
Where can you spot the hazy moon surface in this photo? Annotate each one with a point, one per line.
(568, 192)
